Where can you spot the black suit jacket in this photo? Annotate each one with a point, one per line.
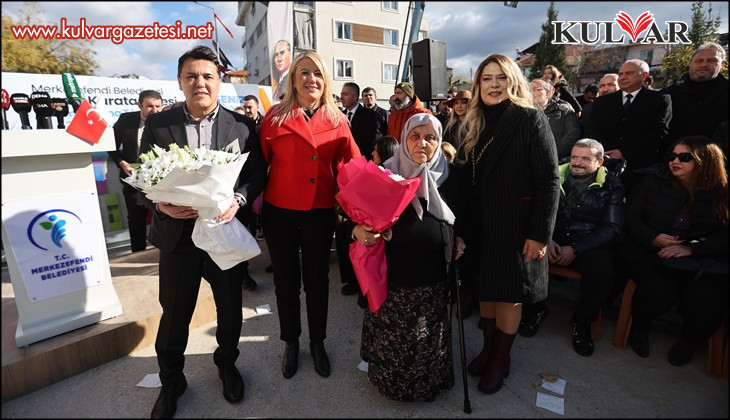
(382, 121)
(638, 133)
(364, 128)
(125, 135)
(168, 127)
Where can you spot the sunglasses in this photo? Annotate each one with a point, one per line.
(683, 157)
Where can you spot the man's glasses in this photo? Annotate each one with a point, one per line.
(683, 157)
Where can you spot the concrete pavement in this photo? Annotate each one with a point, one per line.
(611, 383)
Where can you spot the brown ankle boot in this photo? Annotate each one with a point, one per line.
(498, 364)
(479, 364)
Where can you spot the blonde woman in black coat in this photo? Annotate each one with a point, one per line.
(512, 192)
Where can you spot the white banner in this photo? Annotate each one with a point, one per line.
(113, 96)
(50, 238)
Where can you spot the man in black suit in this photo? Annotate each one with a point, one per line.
(363, 121)
(282, 62)
(201, 121)
(631, 123)
(370, 101)
(127, 132)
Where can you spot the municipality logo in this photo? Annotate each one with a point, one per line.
(49, 228)
(591, 32)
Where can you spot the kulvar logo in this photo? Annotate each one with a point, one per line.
(49, 228)
(591, 32)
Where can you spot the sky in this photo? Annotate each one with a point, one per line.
(471, 30)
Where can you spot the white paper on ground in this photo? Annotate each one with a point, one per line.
(557, 387)
(363, 366)
(151, 380)
(554, 404)
(263, 309)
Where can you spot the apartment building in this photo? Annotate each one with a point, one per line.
(362, 42)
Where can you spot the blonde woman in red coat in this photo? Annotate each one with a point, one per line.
(303, 139)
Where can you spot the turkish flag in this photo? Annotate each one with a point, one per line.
(87, 124)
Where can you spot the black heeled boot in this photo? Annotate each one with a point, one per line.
(290, 361)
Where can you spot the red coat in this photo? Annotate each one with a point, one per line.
(303, 158)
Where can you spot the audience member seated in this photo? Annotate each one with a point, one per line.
(677, 246)
(590, 223)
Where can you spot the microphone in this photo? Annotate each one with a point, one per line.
(6, 105)
(21, 104)
(41, 103)
(60, 107)
(73, 92)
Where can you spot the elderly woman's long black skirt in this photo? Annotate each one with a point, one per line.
(408, 345)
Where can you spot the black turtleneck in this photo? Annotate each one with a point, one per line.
(492, 115)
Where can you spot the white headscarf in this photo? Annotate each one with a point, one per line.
(432, 173)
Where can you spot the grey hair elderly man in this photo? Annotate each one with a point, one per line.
(631, 123)
(563, 121)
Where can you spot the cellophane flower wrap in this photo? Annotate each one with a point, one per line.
(202, 179)
(373, 196)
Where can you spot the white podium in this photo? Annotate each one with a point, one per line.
(53, 234)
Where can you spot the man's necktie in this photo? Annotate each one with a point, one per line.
(349, 116)
(627, 104)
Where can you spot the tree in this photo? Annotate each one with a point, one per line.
(47, 56)
(703, 28)
(546, 52)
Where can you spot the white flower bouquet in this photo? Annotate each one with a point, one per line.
(202, 179)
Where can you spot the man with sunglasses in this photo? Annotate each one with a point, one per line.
(631, 123)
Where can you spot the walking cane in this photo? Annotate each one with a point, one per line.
(467, 404)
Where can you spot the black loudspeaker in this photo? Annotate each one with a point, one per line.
(429, 69)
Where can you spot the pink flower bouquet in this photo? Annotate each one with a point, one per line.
(376, 197)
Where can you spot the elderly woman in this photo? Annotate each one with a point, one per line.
(459, 105)
(512, 186)
(302, 139)
(677, 223)
(408, 344)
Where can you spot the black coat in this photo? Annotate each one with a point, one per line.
(697, 108)
(651, 210)
(638, 133)
(519, 202)
(165, 128)
(126, 130)
(564, 124)
(382, 121)
(364, 128)
(597, 221)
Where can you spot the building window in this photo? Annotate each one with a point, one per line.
(390, 72)
(390, 5)
(343, 69)
(343, 30)
(646, 55)
(390, 37)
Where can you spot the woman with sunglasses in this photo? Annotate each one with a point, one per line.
(677, 225)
